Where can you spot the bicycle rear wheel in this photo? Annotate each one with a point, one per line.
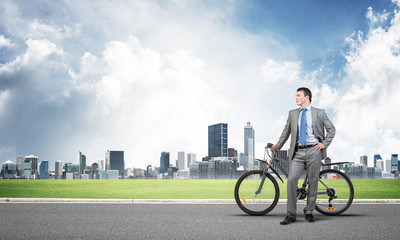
(248, 198)
(335, 192)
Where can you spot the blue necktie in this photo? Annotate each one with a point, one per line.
(303, 127)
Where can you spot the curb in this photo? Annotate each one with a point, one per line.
(164, 201)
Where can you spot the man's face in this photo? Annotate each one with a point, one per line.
(300, 98)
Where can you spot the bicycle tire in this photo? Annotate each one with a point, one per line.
(260, 204)
(343, 190)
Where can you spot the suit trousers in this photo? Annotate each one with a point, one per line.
(311, 159)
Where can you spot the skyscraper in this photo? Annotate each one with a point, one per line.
(164, 162)
(395, 162)
(44, 170)
(249, 145)
(82, 163)
(27, 168)
(115, 161)
(182, 161)
(218, 140)
(364, 160)
(58, 170)
(20, 166)
(376, 158)
(191, 158)
(34, 164)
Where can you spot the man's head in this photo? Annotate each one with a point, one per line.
(303, 97)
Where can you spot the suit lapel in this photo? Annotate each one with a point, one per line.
(313, 115)
(296, 120)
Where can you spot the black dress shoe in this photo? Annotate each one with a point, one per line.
(288, 220)
(310, 218)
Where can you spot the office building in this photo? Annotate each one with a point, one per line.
(100, 162)
(27, 169)
(232, 153)
(82, 163)
(58, 173)
(243, 160)
(388, 165)
(102, 174)
(71, 168)
(394, 162)
(34, 165)
(113, 174)
(191, 158)
(95, 170)
(8, 170)
(376, 158)
(218, 140)
(115, 161)
(380, 164)
(44, 170)
(249, 142)
(364, 160)
(20, 166)
(182, 161)
(164, 162)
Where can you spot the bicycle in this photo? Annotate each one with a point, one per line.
(257, 191)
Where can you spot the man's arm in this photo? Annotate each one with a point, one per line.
(330, 130)
(284, 136)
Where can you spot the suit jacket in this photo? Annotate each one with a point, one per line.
(320, 123)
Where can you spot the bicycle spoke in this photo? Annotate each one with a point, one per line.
(335, 192)
(255, 194)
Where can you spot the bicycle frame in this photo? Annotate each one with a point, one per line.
(276, 160)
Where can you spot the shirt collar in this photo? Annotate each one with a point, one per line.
(308, 108)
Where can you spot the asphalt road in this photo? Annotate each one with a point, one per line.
(189, 221)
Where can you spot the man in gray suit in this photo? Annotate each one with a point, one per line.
(308, 142)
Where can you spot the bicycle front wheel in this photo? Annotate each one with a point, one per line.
(335, 192)
(255, 197)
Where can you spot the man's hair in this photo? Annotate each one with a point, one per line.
(306, 92)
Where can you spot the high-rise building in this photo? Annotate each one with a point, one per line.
(376, 158)
(20, 166)
(380, 164)
(115, 161)
(232, 153)
(101, 164)
(44, 170)
(218, 140)
(27, 168)
(164, 162)
(364, 160)
(395, 162)
(9, 170)
(191, 158)
(388, 165)
(82, 163)
(58, 170)
(249, 145)
(95, 170)
(182, 161)
(34, 165)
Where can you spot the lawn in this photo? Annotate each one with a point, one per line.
(163, 189)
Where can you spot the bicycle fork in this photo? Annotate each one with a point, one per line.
(264, 175)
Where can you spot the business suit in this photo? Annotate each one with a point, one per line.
(308, 157)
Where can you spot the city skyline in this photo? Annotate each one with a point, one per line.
(149, 76)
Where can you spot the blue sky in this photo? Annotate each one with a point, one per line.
(150, 76)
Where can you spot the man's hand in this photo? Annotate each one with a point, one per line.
(319, 146)
(273, 148)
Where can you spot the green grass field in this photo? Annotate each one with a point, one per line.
(163, 189)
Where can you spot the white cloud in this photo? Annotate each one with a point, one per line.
(367, 109)
(285, 71)
(4, 42)
(146, 102)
